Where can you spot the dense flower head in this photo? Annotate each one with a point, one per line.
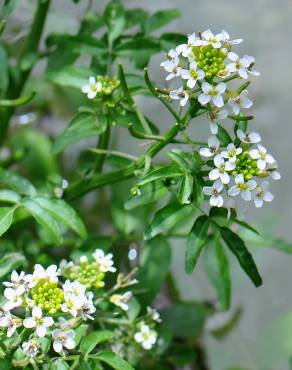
(239, 170)
(100, 86)
(53, 302)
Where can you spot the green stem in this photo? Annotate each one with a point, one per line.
(131, 101)
(86, 185)
(3, 347)
(103, 144)
(17, 102)
(114, 153)
(30, 50)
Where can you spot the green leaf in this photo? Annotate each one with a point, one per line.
(150, 193)
(185, 319)
(89, 343)
(217, 269)
(10, 262)
(83, 126)
(113, 360)
(138, 49)
(115, 19)
(8, 7)
(63, 212)
(223, 136)
(160, 19)
(171, 40)
(267, 241)
(9, 196)
(70, 76)
(135, 16)
(166, 172)
(6, 218)
(58, 365)
(154, 265)
(166, 218)
(245, 259)
(91, 23)
(44, 218)
(246, 226)
(195, 242)
(17, 182)
(186, 189)
(179, 160)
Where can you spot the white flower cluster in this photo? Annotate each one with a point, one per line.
(146, 336)
(239, 170)
(53, 307)
(200, 64)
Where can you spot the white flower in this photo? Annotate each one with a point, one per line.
(154, 314)
(193, 74)
(263, 158)
(240, 101)
(121, 300)
(186, 49)
(40, 273)
(273, 171)
(171, 65)
(213, 147)
(227, 40)
(214, 192)
(16, 280)
(208, 38)
(63, 339)
(72, 303)
(213, 93)
(221, 170)
(216, 115)
(146, 337)
(30, 348)
(241, 65)
(251, 138)
(88, 307)
(14, 297)
(74, 287)
(262, 194)
(92, 88)
(231, 152)
(9, 322)
(38, 322)
(105, 261)
(180, 94)
(242, 187)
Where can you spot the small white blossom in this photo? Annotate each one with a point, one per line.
(63, 339)
(72, 303)
(231, 153)
(221, 170)
(240, 101)
(193, 74)
(241, 65)
(251, 138)
(212, 93)
(208, 38)
(186, 49)
(16, 280)
(30, 348)
(154, 314)
(88, 308)
(121, 300)
(180, 94)
(146, 337)
(105, 261)
(273, 171)
(40, 273)
(171, 65)
(216, 115)
(74, 287)
(242, 187)
(14, 297)
(262, 194)
(262, 156)
(215, 193)
(227, 40)
(10, 322)
(213, 148)
(92, 88)
(38, 322)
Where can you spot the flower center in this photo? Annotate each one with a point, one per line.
(48, 296)
(246, 166)
(210, 60)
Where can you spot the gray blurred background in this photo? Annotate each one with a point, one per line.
(263, 339)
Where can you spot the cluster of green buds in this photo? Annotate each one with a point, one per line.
(48, 296)
(211, 61)
(246, 166)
